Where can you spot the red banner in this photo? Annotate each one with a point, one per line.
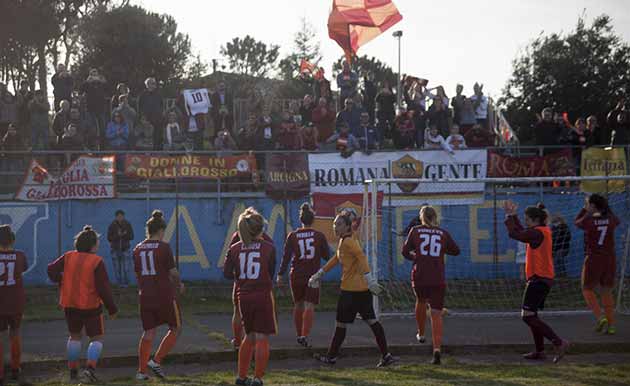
(189, 166)
(287, 176)
(552, 165)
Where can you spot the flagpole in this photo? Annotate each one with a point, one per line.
(398, 34)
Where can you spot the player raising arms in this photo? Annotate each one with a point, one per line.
(237, 327)
(357, 287)
(426, 246)
(158, 283)
(599, 225)
(12, 298)
(539, 274)
(305, 247)
(84, 288)
(252, 263)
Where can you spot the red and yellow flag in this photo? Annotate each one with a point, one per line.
(353, 23)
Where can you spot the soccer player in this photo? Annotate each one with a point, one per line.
(599, 225)
(539, 274)
(251, 262)
(426, 246)
(158, 284)
(304, 247)
(357, 287)
(12, 298)
(85, 287)
(237, 327)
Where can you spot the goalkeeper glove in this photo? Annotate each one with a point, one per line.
(313, 282)
(375, 288)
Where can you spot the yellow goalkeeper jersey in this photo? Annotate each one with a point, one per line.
(354, 265)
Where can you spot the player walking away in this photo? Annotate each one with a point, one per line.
(599, 225)
(12, 298)
(251, 262)
(426, 246)
(85, 287)
(304, 247)
(539, 273)
(237, 327)
(357, 287)
(158, 284)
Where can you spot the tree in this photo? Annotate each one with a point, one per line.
(197, 69)
(129, 44)
(583, 72)
(365, 64)
(305, 47)
(248, 56)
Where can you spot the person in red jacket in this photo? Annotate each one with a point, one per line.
(85, 287)
(426, 246)
(12, 298)
(304, 248)
(599, 224)
(251, 263)
(539, 272)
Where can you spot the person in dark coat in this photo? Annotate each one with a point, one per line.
(561, 244)
(119, 235)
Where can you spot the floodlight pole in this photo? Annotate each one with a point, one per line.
(398, 35)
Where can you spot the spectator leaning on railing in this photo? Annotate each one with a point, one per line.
(479, 137)
(324, 118)
(546, 131)
(435, 141)
(455, 140)
(63, 84)
(404, 134)
(344, 141)
(350, 116)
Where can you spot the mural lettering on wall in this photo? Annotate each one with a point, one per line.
(479, 234)
(200, 256)
(24, 220)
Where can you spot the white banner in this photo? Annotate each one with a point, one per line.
(331, 173)
(87, 178)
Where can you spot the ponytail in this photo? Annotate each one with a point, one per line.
(85, 240)
(538, 213)
(428, 216)
(250, 225)
(307, 216)
(155, 223)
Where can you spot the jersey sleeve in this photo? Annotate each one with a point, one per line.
(451, 247)
(409, 247)
(168, 259)
(24, 262)
(272, 262)
(103, 288)
(55, 269)
(229, 268)
(287, 255)
(581, 219)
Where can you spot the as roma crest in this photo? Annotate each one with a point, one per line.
(407, 167)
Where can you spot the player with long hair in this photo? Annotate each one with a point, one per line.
(426, 246)
(13, 264)
(251, 262)
(304, 248)
(539, 274)
(357, 287)
(599, 224)
(158, 285)
(85, 287)
(237, 327)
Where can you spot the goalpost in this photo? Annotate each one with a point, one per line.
(487, 277)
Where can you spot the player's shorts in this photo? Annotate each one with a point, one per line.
(167, 314)
(536, 292)
(258, 313)
(352, 303)
(598, 275)
(10, 321)
(91, 320)
(301, 292)
(433, 295)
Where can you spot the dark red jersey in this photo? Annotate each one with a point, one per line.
(236, 238)
(12, 298)
(251, 266)
(426, 247)
(305, 248)
(599, 235)
(153, 261)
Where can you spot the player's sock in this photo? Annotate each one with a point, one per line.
(262, 357)
(16, 352)
(166, 345)
(381, 340)
(307, 321)
(337, 340)
(609, 307)
(73, 350)
(538, 331)
(592, 303)
(421, 316)
(436, 330)
(144, 353)
(547, 331)
(93, 353)
(298, 320)
(245, 357)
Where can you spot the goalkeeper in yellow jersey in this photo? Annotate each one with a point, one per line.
(357, 287)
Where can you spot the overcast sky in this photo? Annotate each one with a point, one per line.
(448, 42)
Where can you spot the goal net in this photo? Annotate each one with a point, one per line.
(488, 275)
